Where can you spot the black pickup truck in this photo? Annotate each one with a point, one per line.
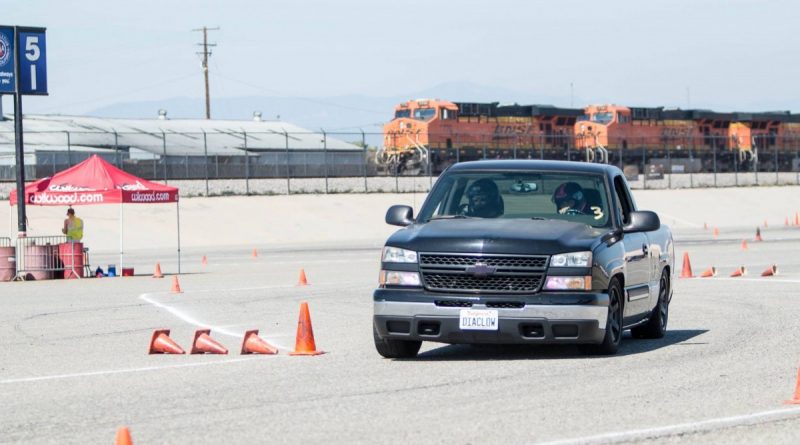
(523, 252)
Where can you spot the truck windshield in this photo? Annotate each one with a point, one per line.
(573, 197)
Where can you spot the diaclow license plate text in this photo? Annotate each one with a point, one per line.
(478, 319)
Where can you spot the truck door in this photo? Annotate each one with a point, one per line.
(637, 258)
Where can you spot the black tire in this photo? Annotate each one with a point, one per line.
(656, 327)
(390, 348)
(613, 336)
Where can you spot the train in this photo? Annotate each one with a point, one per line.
(427, 135)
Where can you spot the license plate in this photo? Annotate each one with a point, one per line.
(478, 319)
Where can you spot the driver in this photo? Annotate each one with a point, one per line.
(484, 199)
(570, 199)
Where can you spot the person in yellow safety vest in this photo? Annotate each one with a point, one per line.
(73, 226)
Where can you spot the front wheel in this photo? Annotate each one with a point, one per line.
(613, 336)
(390, 348)
(656, 327)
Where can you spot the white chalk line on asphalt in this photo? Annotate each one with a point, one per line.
(683, 428)
(122, 371)
(193, 321)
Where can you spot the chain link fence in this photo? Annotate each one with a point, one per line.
(275, 162)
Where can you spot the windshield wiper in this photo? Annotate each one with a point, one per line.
(448, 217)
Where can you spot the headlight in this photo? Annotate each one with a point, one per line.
(398, 255)
(568, 283)
(575, 259)
(397, 278)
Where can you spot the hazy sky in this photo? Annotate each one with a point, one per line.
(732, 54)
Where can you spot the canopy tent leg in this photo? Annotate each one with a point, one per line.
(178, 206)
(121, 233)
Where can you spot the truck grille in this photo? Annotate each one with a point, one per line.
(495, 273)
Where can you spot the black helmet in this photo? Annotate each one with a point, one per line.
(484, 199)
(569, 191)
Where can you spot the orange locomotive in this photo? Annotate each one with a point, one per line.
(730, 139)
(437, 133)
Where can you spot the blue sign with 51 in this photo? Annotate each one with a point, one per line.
(31, 60)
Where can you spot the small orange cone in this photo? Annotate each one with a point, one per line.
(255, 253)
(797, 219)
(204, 261)
(765, 224)
(705, 226)
(744, 244)
(176, 286)
(716, 232)
(796, 399)
(204, 344)
(304, 343)
(157, 273)
(740, 271)
(686, 272)
(123, 437)
(710, 272)
(253, 344)
(302, 280)
(770, 271)
(758, 234)
(786, 223)
(160, 343)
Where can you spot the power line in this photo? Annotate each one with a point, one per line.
(205, 53)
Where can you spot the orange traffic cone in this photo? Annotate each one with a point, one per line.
(758, 235)
(686, 272)
(765, 224)
(716, 232)
(797, 219)
(705, 226)
(744, 244)
(176, 286)
(786, 223)
(123, 437)
(304, 344)
(710, 272)
(204, 261)
(796, 399)
(302, 280)
(740, 271)
(253, 344)
(204, 344)
(255, 253)
(770, 271)
(157, 273)
(160, 343)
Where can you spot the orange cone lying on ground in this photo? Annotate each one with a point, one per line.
(770, 271)
(302, 280)
(304, 344)
(176, 286)
(204, 344)
(160, 343)
(157, 273)
(796, 399)
(744, 244)
(686, 272)
(123, 437)
(758, 234)
(253, 344)
(740, 271)
(710, 272)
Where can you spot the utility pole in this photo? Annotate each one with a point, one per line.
(205, 53)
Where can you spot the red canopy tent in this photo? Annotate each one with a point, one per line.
(95, 181)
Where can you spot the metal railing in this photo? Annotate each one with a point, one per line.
(48, 257)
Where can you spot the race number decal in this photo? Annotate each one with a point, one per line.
(598, 212)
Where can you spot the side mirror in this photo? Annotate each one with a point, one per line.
(400, 215)
(643, 221)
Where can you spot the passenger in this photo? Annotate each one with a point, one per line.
(570, 199)
(73, 226)
(484, 199)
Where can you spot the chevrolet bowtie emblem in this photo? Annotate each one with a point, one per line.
(480, 270)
